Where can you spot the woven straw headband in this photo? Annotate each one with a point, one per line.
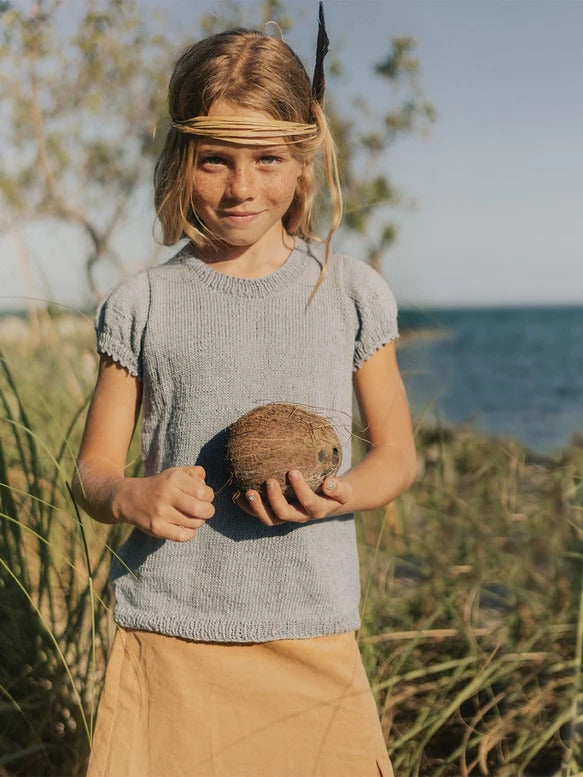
(254, 132)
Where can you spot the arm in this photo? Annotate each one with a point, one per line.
(387, 469)
(170, 505)
(390, 465)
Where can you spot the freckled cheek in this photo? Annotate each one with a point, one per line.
(282, 191)
(207, 193)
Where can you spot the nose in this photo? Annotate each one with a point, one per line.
(240, 183)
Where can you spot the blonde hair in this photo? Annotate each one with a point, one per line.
(255, 71)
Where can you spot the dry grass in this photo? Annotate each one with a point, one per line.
(472, 617)
(472, 620)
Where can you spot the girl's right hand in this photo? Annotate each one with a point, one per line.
(171, 505)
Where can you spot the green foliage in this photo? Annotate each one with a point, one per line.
(255, 15)
(364, 144)
(82, 100)
(54, 601)
(472, 602)
(399, 61)
(472, 621)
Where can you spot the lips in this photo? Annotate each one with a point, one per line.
(239, 218)
(237, 215)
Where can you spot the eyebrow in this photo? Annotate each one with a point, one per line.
(218, 147)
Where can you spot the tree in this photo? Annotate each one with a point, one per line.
(84, 90)
(82, 93)
(368, 195)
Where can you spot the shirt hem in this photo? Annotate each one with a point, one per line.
(234, 632)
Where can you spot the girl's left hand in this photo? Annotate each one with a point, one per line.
(333, 494)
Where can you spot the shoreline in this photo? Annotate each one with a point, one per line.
(427, 334)
(53, 327)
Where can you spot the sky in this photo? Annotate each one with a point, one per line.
(493, 190)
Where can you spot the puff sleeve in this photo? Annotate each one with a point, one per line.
(120, 323)
(375, 307)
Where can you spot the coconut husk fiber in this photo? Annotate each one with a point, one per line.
(272, 439)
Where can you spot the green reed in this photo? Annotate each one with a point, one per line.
(54, 601)
(473, 628)
(472, 604)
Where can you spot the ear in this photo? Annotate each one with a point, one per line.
(300, 174)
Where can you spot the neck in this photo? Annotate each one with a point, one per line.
(263, 257)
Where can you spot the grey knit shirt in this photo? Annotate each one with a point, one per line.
(208, 347)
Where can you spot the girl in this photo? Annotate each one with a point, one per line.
(235, 653)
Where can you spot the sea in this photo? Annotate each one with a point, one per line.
(506, 372)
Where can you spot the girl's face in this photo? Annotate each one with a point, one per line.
(240, 193)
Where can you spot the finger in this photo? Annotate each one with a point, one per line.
(193, 508)
(174, 531)
(336, 489)
(261, 510)
(314, 505)
(321, 504)
(303, 491)
(180, 533)
(287, 511)
(196, 487)
(195, 472)
(241, 501)
(185, 520)
(279, 506)
(202, 492)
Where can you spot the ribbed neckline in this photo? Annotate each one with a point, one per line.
(247, 287)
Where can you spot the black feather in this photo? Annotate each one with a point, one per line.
(319, 81)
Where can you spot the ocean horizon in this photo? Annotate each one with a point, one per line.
(508, 371)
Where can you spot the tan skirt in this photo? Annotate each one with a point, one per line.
(291, 708)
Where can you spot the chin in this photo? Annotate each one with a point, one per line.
(236, 242)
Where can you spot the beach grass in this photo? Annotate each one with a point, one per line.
(472, 610)
(472, 605)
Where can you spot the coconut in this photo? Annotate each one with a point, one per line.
(272, 439)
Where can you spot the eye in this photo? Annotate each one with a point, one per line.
(269, 159)
(211, 160)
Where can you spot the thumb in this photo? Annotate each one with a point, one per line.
(336, 489)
